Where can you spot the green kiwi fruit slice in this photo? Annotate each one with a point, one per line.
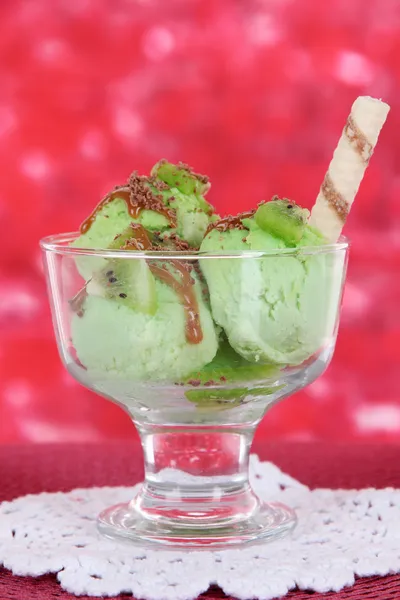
(128, 281)
(282, 218)
(181, 177)
(228, 367)
(221, 399)
(225, 370)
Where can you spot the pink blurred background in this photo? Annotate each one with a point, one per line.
(252, 92)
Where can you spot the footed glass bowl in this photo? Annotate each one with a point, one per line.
(196, 348)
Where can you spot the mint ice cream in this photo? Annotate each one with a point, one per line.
(221, 321)
(145, 318)
(171, 200)
(270, 307)
(117, 341)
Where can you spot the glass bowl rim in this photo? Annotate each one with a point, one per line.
(57, 244)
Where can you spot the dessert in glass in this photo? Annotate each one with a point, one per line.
(196, 325)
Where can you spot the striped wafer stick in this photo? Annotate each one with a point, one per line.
(348, 166)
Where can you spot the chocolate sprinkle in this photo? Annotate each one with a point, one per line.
(230, 222)
(158, 184)
(137, 196)
(180, 245)
(202, 178)
(188, 171)
(139, 240)
(142, 197)
(194, 382)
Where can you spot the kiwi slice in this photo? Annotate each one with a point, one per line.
(128, 281)
(181, 177)
(226, 369)
(221, 399)
(282, 218)
(135, 237)
(122, 239)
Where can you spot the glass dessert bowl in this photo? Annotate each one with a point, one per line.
(197, 325)
(215, 340)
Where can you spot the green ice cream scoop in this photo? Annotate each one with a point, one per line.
(118, 342)
(144, 318)
(279, 306)
(171, 200)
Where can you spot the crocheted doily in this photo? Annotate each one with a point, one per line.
(341, 534)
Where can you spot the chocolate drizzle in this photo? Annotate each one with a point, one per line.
(230, 222)
(137, 196)
(120, 192)
(139, 240)
(183, 284)
(358, 139)
(184, 288)
(334, 198)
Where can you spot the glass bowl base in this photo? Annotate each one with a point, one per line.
(270, 521)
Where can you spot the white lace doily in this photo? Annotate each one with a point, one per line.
(340, 534)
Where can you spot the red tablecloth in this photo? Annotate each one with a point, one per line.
(33, 469)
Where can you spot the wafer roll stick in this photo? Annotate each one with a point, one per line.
(348, 166)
